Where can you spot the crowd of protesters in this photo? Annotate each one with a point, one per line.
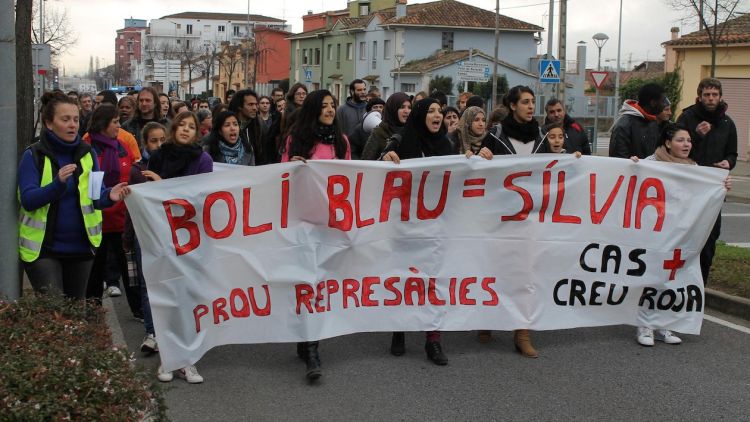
(151, 136)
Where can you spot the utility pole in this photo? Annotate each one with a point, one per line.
(10, 287)
(562, 40)
(619, 48)
(497, 43)
(550, 36)
(247, 48)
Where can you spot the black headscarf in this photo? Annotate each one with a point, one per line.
(392, 106)
(417, 140)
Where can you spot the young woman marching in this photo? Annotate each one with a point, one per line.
(181, 155)
(423, 136)
(315, 135)
(396, 111)
(518, 134)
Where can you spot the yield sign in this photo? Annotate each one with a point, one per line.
(599, 78)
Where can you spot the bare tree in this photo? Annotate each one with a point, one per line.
(24, 75)
(189, 56)
(206, 62)
(230, 57)
(57, 31)
(711, 16)
(165, 51)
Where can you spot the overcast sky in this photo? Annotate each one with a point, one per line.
(646, 23)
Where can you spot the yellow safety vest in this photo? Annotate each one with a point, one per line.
(32, 224)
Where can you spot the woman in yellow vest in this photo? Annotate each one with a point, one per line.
(60, 225)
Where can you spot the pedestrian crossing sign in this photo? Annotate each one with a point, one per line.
(549, 71)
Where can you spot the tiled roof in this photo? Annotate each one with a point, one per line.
(736, 31)
(453, 13)
(353, 23)
(650, 66)
(239, 17)
(437, 61)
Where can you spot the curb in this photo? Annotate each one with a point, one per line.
(738, 199)
(118, 337)
(728, 304)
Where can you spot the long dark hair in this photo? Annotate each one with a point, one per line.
(307, 125)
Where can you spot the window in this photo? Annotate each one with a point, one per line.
(189, 29)
(179, 25)
(364, 10)
(187, 43)
(448, 41)
(305, 56)
(408, 87)
(330, 52)
(178, 42)
(221, 28)
(317, 57)
(236, 31)
(386, 49)
(349, 51)
(362, 51)
(121, 36)
(338, 56)
(374, 54)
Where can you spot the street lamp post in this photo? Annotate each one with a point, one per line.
(599, 39)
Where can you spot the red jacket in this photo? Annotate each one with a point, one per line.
(113, 218)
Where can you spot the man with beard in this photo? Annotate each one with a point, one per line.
(636, 132)
(352, 112)
(714, 137)
(244, 104)
(575, 137)
(147, 109)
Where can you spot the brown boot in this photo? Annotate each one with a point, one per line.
(522, 340)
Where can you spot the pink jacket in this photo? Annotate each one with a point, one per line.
(319, 152)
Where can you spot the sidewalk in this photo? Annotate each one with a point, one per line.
(740, 183)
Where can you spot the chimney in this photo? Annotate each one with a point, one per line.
(400, 8)
(675, 32)
(309, 12)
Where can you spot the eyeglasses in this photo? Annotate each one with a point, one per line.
(300, 94)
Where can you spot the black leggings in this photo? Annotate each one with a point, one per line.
(67, 276)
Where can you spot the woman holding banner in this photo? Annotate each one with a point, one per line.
(424, 135)
(675, 146)
(60, 223)
(315, 135)
(519, 133)
(180, 155)
(397, 109)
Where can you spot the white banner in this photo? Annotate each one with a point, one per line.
(295, 251)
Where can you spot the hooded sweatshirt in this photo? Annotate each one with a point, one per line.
(635, 132)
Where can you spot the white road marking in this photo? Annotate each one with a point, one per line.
(736, 215)
(741, 245)
(727, 324)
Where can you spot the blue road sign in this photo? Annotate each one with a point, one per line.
(549, 71)
(308, 75)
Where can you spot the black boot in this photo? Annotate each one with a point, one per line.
(301, 350)
(435, 353)
(397, 344)
(313, 360)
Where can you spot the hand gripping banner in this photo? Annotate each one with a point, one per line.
(307, 251)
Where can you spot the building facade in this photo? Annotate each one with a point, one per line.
(128, 49)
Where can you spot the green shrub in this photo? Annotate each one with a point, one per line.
(57, 362)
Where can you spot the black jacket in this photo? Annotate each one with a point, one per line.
(720, 143)
(633, 134)
(136, 124)
(498, 142)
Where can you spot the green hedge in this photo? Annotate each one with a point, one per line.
(57, 362)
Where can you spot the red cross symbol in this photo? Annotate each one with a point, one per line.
(674, 264)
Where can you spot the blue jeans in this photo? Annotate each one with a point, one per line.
(148, 320)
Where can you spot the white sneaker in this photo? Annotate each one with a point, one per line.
(149, 344)
(113, 291)
(190, 374)
(164, 376)
(645, 336)
(667, 337)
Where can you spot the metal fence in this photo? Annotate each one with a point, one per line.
(583, 107)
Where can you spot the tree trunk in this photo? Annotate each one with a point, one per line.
(24, 76)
